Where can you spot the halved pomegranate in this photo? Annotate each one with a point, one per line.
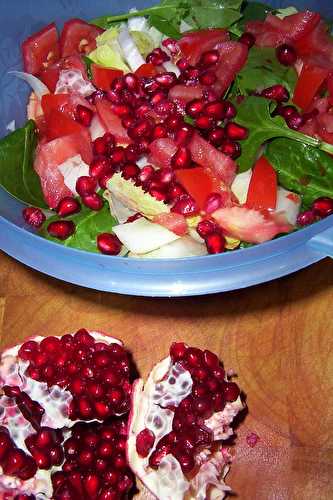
(178, 422)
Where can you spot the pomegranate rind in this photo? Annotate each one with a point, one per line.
(169, 483)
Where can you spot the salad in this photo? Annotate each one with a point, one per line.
(179, 130)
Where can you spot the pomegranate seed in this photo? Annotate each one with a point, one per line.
(171, 45)
(99, 166)
(175, 192)
(157, 57)
(215, 243)
(144, 442)
(205, 227)
(104, 179)
(247, 39)
(108, 244)
(158, 194)
(182, 158)
(185, 205)
(323, 206)
(96, 96)
(186, 462)
(216, 136)
(121, 110)
(166, 80)
(295, 121)
(215, 109)
(85, 185)
(68, 206)
(229, 110)
(157, 97)
(277, 93)
(205, 122)
(14, 462)
(184, 134)
(195, 107)
(174, 122)
(211, 360)
(130, 171)
(190, 75)
(146, 174)
(286, 54)
(61, 229)
(285, 111)
(213, 202)
(93, 201)
(114, 96)
(160, 131)
(118, 156)
(230, 391)
(210, 95)
(208, 78)
(103, 145)
(164, 176)
(83, 115)
(165, 108)
(118, 84)
(230, 148)
(209, 58)
(131, 82)
(236, 132)
(132, 153)
(128, 121)
(142, 129)
(33, 216)
(305, 218)
(177, 351)
(183, 64)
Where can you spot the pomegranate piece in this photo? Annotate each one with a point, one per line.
(323, 206)
(68, 206)
(178, 422)
(61, 229)
(108, 244)
(33, 216)
(286, 54)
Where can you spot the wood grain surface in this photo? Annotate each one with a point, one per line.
(278, 337)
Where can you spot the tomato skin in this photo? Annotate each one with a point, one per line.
(111, 122)
(50, 75)
(146, 70)
(262, 192)
(309, 82)
(173, 222)
(78, 37)
(197, 182)
(103, 77)
(59, 124)
(41, 49)
(233, 56)
(193, 44)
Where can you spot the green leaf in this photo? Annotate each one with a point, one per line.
(254, 114)
(214, 17)
(302, 169)
(88, 62)
(88, 225)
(252, 11)
(17, 175)
(165, 26)
(263, 70)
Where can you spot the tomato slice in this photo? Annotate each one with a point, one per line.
(41, 49)
(193, 44)
(262, 192)
(78, 37)
(103, 77)
(111, 122)
(198, 183)
(308, 84)
(146, 70)
(59, 124)
(233, 56)
(172, 221)
(50, 75)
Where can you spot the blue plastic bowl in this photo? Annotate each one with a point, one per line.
(167, 277)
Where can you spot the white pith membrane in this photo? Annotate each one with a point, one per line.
(72, 81)
(168, 482)
(54, 400)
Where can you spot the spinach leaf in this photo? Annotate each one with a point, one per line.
(88, 62)
(251, 11)
(263, 70)
(88, 225)
(17, 175)
(302, 169)
(254, 114)
(165, 26)
(214, 17)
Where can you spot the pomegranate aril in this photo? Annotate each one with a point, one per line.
(286, 54)
(61, 229)
(157, 455)
(236, 132)
(128, 121)
(121, 110)
(230, 148)
(132, 153)
(33, 216)
(184, 134)
(195, 107)
(166, 80)
(84, 115)
(203, 407)
(229, 110)
(157, 57)
(160, 131)
(174, 122)
(165, 108)
(103, 145)
(186, 461)
(14, 462)
(215, 109)
(285, 111)
(141, 129)
(85, 185)
(210, 359)
(93, 201)
(114, 96)
(171, 45)
(205, 122)
(277, 93)
(108, 244)
(216, 136)
(215, 243)
(208, 77)
(295, 121)
(185, 205)
(205, 227)
(182, 158)
(131, 82)
(118, 156)
(96, 96)
(247, 39)
(144, 442)
(323, 206)
(209, 58)
(130, 171)
(158, 194)
(182, 64)
(305, 218)
(68, 206)
(230, 391)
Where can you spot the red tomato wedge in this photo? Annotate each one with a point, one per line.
(146, 70)
(52, 154)
(262, 192)
(66, 103)
(172, 221)
(59, 124)
(111, 122)
(308, 84)
(206, 155)
(275, 31)
(161, 152)
(50, 76)
(182, 94)
(78, 37)
(318, 41)
(193, 44)
(252, 226)
(103, 77)
(41, 50)
(198, 182)
(233, 56)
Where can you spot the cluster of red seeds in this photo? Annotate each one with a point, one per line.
(210, 393)
(95, 465)
(96, 374)
(14, 461)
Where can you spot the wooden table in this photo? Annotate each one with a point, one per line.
(277, 337)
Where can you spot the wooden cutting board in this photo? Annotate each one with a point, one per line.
(277, 336)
